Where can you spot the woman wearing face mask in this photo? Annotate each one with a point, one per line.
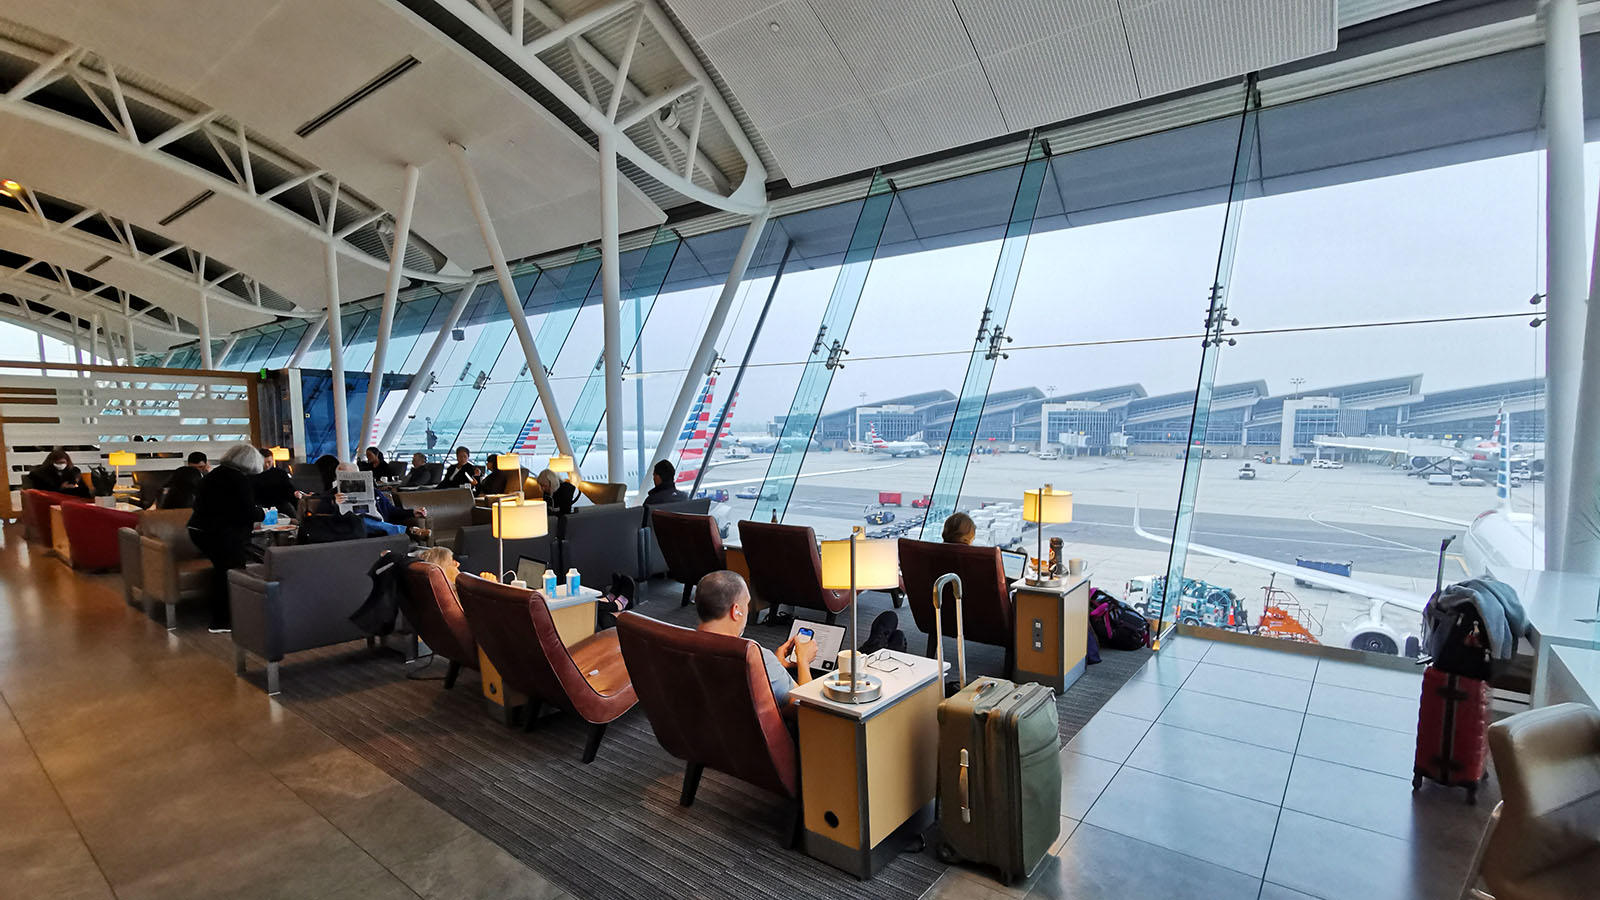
(58, 474)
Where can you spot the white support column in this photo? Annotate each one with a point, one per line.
(77, 345)
(391, 291)
(94, 340)
(227, 347)
(706, 354)
(519, 321)
(1566, 270)
(205, 330)
(313, 328)
(611, 305)
(420, 379)
(1581, 552)
(41, 347)
(128, 345)
(341, 417)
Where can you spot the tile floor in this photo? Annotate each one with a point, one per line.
(1231, 771)
(133, 766)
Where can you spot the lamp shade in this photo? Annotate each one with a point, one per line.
(1047, 506)
(512, 521)
(122, 458)
(561, 464)
(877, 565)
(507, 462)
(280, 454)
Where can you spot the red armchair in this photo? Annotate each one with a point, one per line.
(430, 605)
(987, 611)
(92, 531)
(36, 513)
(786, 568)
(513, 627)
(691, 545)
(710, 704)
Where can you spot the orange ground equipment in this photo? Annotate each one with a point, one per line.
(1283, 616)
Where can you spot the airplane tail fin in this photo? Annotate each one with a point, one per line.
(696, 438)
(528, 440)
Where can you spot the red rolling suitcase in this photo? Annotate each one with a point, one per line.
(1452, 731)
(1453, 717)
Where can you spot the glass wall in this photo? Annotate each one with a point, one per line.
(1271, 354)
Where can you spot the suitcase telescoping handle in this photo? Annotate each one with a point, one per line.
(961, 634)
(1438, 581)
(966, 807)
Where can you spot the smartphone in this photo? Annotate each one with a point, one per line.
(804, 634)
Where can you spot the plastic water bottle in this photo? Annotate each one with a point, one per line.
(574, 582)
(549, 584)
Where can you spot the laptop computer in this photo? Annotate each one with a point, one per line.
(530, 571)
(1015, 564)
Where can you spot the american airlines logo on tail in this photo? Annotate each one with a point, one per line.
(528, 440)
(696, 433)
(872, 436)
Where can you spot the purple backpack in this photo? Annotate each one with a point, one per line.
(1115, 624)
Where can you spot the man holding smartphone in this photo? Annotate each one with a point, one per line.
(722, 601)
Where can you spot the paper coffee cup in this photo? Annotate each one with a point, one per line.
(1075, 566)
(842, 664)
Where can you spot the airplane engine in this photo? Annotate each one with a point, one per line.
(1372, 636)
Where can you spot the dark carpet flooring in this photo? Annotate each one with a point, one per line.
(612, 829)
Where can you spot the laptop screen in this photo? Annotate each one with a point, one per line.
(530, 571)
(1015, 564)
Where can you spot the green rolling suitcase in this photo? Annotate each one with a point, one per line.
(999, 771)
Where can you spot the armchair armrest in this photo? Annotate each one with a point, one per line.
(159, 570)
(132, 567)
(257, 613)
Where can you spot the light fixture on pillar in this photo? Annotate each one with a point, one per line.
(514, 520)
(857, 564)
(1045, 506)
(118, 459)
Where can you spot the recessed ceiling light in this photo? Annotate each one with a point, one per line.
(775, 27)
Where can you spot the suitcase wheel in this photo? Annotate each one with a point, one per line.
(1472, 794)
(945, 852)
(1416, 782)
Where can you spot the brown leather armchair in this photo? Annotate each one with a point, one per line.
(429, 603)
(786, 567)
(987, 611)
(710, 704)
(691, 545)
(513, 627)
(1543, 842)
(603, 493)
(448, 510)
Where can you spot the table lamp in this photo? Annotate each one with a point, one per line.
(1046, 506)
(562, 465)
(857, 564)
(280, 454)
(515, 520)
(118, 459)
(508, 462)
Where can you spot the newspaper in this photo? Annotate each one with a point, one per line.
(356, 488)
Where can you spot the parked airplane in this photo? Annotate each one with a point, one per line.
(912, 446)
(1499, 544)
(1425, 456)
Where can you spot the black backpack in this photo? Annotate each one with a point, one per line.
(378, 614)
(1115, 624)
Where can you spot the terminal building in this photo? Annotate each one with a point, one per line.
(520, 449)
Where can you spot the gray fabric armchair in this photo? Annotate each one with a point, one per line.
(301, 597)
(132, 569)
(172, 571)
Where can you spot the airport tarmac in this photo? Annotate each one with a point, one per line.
(1284, 513)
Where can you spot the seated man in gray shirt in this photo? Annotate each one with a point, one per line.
(723, 602)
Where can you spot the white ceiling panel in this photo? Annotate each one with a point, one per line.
(815, 147)
(946, 110)
(17, 236)
(999, 25)
(786, 74)
(1181, 43)
(1063, 76)
(702, 17)
(891, 42)
(943, 73)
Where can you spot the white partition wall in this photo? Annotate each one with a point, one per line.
(93, 411)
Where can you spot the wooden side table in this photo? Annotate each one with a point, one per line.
(869, 772)
(1052, 632)
(58, 537)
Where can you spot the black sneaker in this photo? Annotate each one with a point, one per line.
(897, 641)
(883, 628)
